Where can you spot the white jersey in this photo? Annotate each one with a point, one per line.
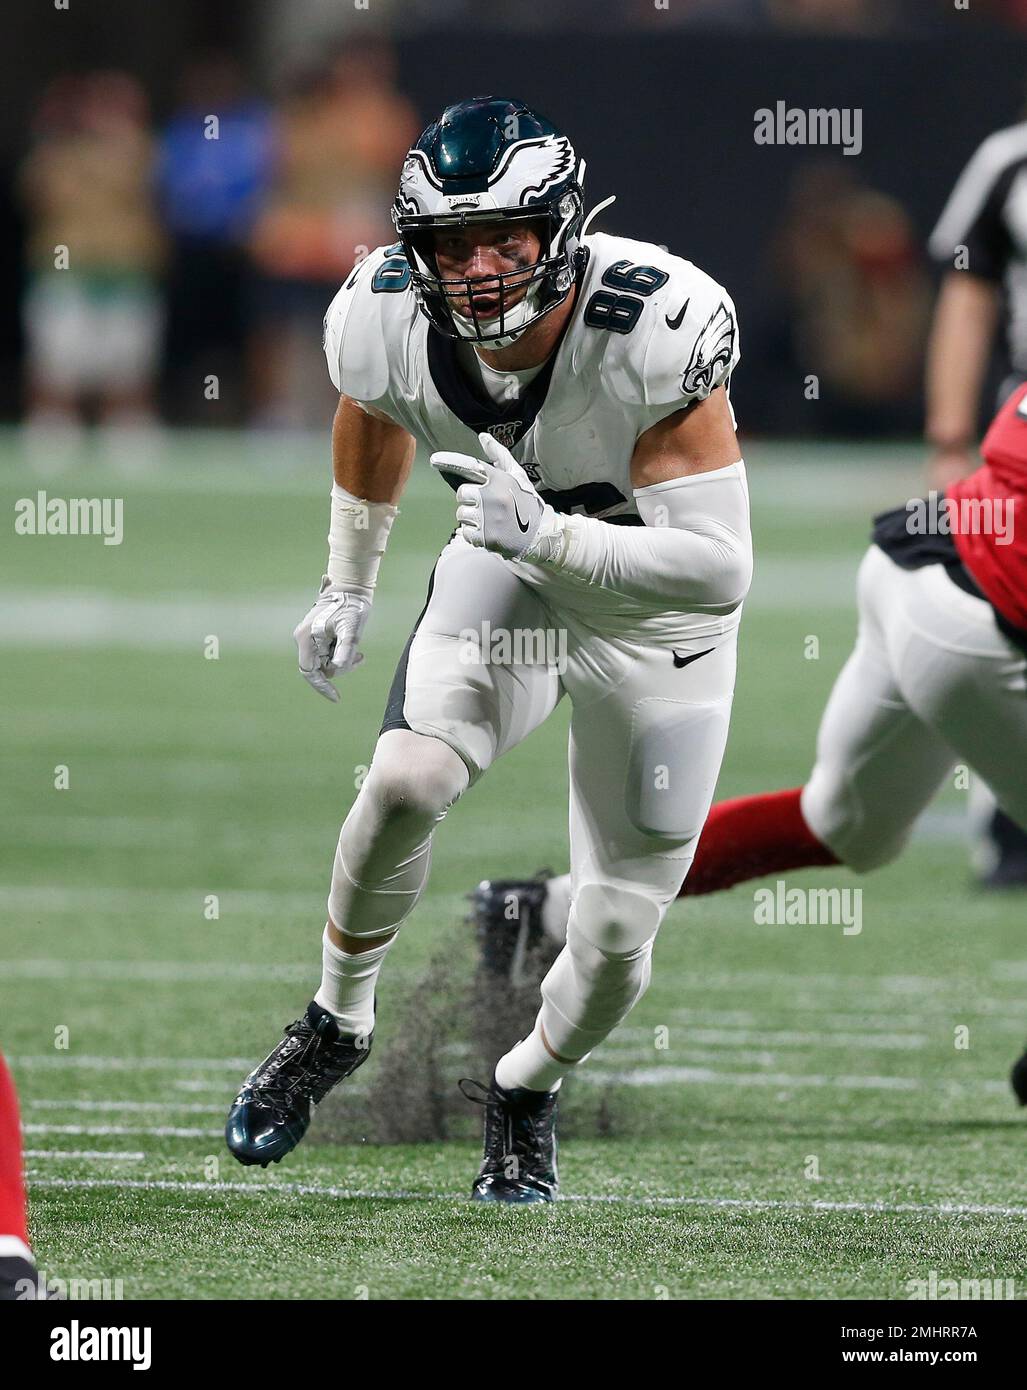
(650, 333)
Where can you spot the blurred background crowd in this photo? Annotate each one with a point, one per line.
(185, 187)
(203, 248)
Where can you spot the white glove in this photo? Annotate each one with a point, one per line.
(329, 635)
(499, 508)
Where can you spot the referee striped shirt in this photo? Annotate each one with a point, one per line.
(987, 215)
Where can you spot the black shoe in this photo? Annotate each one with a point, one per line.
(507, 916)
(1009, 845)
(20, 1281)
(519, 1166)
(1018, 1079)
(1009, 872)
(271, 1113)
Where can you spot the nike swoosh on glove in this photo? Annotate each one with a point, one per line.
(328, 637)
(498, 507)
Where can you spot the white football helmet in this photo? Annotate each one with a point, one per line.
(491, 160)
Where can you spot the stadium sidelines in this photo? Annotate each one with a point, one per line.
(955, 1209)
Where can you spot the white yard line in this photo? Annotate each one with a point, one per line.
(102, 620)
(59, 1061)
(156, 971)
(787, 474)
(98, 619)
(1010, 970)
(670, 1074)
(865, 1019)
(198, 1088)
(901, 984)
(184, 1107)
(263, 1189)
(113, 1154)
(149, 832)
(103, 1131)
(770, 1038)
(118, 901)
(882, 987)
(1008, 1014)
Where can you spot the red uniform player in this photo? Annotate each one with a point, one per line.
(17, 1270)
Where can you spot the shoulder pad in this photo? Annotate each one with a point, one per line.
(364, 317)
(685, 341)
(692, 346)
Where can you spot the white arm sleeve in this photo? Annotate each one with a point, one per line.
(694, 552)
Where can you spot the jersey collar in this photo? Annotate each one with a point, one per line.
(469, 402)
(510, 420)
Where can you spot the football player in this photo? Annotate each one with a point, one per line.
(18, 1276)
(938, 677)
(572, 390)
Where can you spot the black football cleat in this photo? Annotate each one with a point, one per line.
(1009, 872)
(1008, 845)
(271, 1113)
(1018, 1078)
(507, 917)
(519, 1167)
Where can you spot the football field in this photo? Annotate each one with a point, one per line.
(793, 1111)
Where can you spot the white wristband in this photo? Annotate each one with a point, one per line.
(357, 538)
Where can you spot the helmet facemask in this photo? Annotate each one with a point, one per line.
(521, 296)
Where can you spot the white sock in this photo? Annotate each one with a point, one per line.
(556, 908)
(530, 1064)
(348, 982)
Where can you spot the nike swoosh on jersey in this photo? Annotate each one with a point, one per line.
(680, 661)
(679, 317)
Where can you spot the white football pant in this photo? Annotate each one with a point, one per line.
(931, 684)
(647, 735)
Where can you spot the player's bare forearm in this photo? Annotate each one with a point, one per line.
(957, 358)
(371, 457)
(694, 440)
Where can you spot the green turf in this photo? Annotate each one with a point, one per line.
(191, 777)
